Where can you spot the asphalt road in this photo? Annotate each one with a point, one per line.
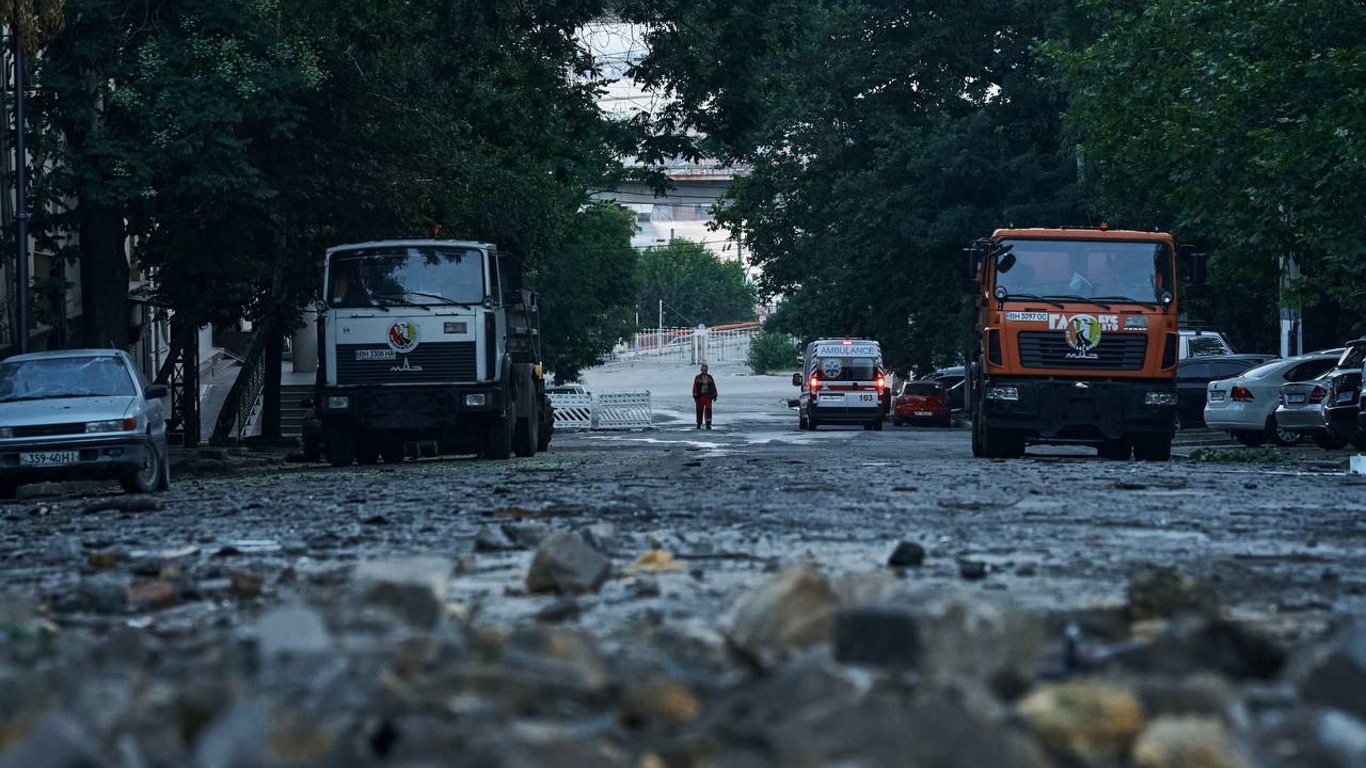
(1284, 543)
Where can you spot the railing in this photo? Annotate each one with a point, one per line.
(184, 382)
(235, 418)
(728, 343)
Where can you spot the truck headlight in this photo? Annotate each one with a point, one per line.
(476, 401)
(1003, 393)
(113, 425)
(338, 403)
(1160, 398)
(6, 432)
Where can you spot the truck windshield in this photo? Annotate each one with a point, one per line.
(844, 368)
(414, 275)
(1114, 271)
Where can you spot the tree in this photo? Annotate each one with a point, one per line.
(1240, 125)
(588, 288)
(695, 286)
(882, 137)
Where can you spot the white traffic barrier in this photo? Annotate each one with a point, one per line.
(572, 411)
(622, 410)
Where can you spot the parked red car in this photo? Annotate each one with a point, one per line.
(921, 401)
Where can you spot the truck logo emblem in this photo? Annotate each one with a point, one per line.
(406, 368)
(403, 336)
(1083, 335)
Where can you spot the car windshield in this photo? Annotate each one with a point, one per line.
(413, 276)
(64, 377)
(844, 368)
(1088, 268)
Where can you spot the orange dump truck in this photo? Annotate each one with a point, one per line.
(1076, 342)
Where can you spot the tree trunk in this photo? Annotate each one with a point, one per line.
(270, 392)
(104, 277)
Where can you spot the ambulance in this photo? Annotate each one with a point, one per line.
(842, 382)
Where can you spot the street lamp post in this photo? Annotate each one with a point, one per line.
(20, 185)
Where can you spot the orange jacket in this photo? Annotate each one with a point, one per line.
(703, 385)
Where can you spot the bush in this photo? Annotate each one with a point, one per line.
(769, 352)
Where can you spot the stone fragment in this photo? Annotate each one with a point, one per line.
(235, 740)
(972, 570)
(1191, 644)
(1157, 592)
(294, 630)
(57, 741)
(654, 561)
(868, 588)
(977, 637)
(1088, 721)
(907, 554)
(664, 702)
(562, 609)
(1187, 742)
(566, 563)
(412, 588)
(63, 549)
(153, 593)
(880, 636)
(492, 539)
(1334, 674)
(791, 611)
(102, 593)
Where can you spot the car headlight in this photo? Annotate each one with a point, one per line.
(338, 403)
(113, 425)
(1003, 393)
(1160, 398)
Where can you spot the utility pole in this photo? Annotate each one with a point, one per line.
(20, 184)
(659, 338)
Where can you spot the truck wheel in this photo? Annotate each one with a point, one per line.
(313, 452)
(977, 450)
(1153, 447)
(392, 451)
(498, 440)
(547, 427)
(1249, 438)
(524, 439)
(341, 448)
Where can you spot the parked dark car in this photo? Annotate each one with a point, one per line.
(921, 402)
(1342, 404)
(954, 381)
(1193, 376)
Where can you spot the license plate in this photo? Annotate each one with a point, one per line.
(923, 413)
(1216, 396)
(49, 458)
(376, 354)
(1294, 399)
(832, 398)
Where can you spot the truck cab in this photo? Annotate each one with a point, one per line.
(425, 347)
(842, 382)
(1077, 341)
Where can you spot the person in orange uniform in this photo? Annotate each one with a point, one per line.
(704, 394)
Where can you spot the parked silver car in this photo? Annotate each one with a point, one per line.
(1301, 406)
(1245, 405)
(81, 414)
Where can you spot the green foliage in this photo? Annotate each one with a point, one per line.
(882, 138)
(587, 291)
(1240, 126)
(696, 287)
(770, 351)
(1263, 455)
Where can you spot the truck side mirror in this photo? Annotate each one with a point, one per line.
(796, 379)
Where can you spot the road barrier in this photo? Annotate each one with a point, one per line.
(572, 411)
(611, 410)
(622, 410)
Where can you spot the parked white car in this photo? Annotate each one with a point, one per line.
(1199, 343)
(1245, 405)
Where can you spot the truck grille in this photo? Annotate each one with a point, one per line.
(1116, 352)
(438, 363)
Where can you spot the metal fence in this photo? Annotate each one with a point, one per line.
(729, 343)
(610, 410)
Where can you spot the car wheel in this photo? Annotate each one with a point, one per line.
(1153, 447)
(145, 477)
(1249, 438)
(1282, 436)
(1359, 440)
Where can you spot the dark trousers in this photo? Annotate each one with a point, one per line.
(703, 409)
